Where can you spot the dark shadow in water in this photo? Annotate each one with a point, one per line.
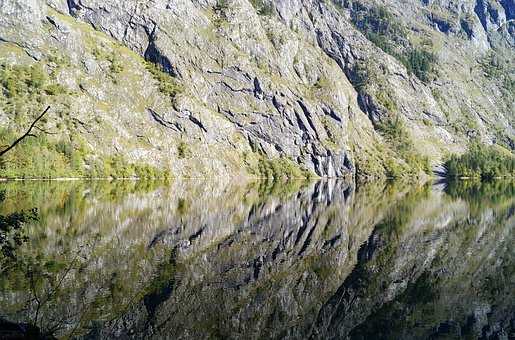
(259, 260)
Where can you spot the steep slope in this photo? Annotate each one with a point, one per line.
(259, 88)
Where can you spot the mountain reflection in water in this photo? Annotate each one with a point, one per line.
(197, 259)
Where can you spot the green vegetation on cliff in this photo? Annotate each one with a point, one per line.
(38, 157)
(167, 84)
(398, 137)
(47, 153)
(236, 73)
(481, 161)
(381, 28)
(24, 88)
(262, 7)
(279, 168)
(42, 157)
(498, 68)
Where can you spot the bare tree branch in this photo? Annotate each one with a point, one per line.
(26, 134)
(45, 131)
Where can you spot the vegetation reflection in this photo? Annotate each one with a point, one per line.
(77, 257)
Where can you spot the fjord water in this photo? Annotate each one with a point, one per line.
(197, 259)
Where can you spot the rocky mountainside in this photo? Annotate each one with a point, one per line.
(255, 87)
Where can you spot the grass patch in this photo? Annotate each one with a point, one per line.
(115, 63)
(167, 84)
(183, 151)
(398, 137)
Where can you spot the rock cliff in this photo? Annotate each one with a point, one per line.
(254, 87)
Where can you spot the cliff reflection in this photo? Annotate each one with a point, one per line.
(198, 259)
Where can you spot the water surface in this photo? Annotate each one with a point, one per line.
(296, 260)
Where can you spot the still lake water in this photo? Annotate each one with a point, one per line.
(204, 260)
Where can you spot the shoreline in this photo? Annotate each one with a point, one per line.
(356, 179)
(71, 179)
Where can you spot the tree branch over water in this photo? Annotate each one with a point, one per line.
(26, 134)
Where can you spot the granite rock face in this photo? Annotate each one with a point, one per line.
(263, 80)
